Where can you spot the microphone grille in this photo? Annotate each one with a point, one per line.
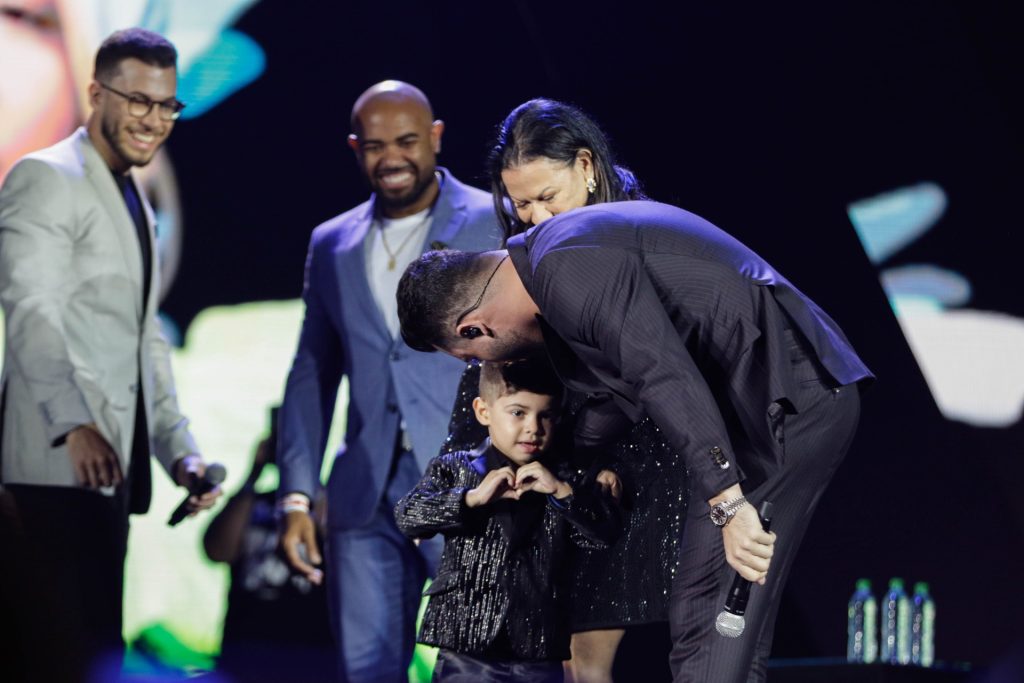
(215, 473)
(730, 625)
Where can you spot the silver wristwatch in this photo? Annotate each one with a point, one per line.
(721, 513)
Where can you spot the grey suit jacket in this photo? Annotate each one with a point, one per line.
(78, 335)
(344, 335)
(672, 317)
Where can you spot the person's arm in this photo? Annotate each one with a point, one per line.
(621, 315)
(305, 414)
(444, 502)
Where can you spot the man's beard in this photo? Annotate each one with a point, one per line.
(407, 199)
(126, 154)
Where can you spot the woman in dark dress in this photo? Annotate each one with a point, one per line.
(549, 158)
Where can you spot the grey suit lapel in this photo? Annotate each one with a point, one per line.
(99, 175)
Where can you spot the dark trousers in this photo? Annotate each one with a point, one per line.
(61, 583)
(814, 443)
(453, 667)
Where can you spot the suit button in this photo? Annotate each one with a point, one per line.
(719, 458)
(395, 355)
(392, 408)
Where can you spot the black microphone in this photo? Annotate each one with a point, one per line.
(730, 622)
(215, 473)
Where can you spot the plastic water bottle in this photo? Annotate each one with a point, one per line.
(861, 620)
(896, 625)
(922, 627)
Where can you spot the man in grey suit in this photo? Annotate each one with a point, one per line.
(652, 310)
(87, 391)
(399, 402)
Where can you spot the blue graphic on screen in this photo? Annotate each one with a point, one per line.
(972, 359)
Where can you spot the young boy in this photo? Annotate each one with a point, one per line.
(498, 605)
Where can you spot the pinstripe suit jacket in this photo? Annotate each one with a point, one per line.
(662, 313)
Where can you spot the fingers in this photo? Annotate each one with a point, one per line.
(88, 474)
(610, 483)
(297, 537)
(750, 554)
(528, 474)
(101, 469)
(309, 538)
(205, 501)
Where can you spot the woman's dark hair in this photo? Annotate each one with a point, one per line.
(554, 130)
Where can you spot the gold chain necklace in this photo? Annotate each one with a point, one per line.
(393, 255)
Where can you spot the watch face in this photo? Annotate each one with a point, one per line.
(718, 515)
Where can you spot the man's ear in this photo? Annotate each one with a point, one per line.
(483, 413)
(94, 94)
(472, 326)
(436, 131)
(353, 142)
(470, 331)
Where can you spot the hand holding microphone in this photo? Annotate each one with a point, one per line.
(198, 486)
(730, 622)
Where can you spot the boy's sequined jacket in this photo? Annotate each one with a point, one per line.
(505, 563)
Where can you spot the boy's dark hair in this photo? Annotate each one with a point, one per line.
(138, 43)
(535, 375)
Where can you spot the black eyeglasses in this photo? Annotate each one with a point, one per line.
(139, 105)
(474, 332)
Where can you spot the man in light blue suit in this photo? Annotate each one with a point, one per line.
(400, 401)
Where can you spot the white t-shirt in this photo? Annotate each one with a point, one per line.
(404, 239)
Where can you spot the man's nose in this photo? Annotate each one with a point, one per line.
(152, 118)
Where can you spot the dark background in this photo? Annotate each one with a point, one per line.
(768, 120)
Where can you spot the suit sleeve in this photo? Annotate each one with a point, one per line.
(621, 315)
(438, 502)
(312, 387)
(37, 237)
(169, 430)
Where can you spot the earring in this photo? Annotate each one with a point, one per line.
(591, 185)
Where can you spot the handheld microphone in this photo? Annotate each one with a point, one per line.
(730, 622)
(215, 473)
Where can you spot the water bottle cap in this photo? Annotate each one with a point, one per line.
(864, 584)
(921, 588)
(895, 583)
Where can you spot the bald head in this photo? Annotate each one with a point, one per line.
(391, 94)
(396, 142)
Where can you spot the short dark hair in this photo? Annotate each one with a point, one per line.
(533, 374)
(549, 129)
(435, 288)
(138, 43)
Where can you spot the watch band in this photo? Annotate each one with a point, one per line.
(722, 513)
